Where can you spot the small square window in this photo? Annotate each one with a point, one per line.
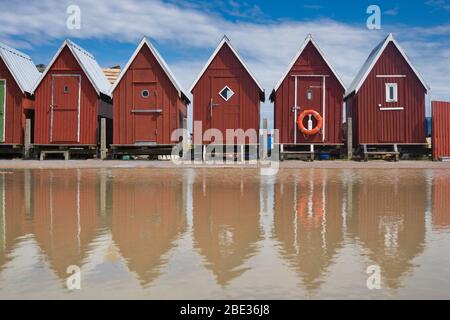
(66, 89)
(226, 93)
(391, 92)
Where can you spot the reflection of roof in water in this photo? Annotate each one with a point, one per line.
(65, 212)
(308, 224)
(226, 226)
(388, 218)
(14, 220)
(146, 221)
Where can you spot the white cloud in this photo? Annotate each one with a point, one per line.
(267, 47)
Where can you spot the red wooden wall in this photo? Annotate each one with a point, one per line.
(372, 126)
(89, 102)
(226, 64)
(310, 62)
(16, 101)
(145, 68)
(441, 129)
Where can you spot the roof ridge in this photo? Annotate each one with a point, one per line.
(82, 50)
(14, 51)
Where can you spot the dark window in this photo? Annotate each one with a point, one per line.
(145, 93)
(226, 93)
(66, 89)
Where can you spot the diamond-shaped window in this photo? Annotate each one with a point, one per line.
(226, 93)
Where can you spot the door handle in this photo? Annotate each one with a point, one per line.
(211, 107)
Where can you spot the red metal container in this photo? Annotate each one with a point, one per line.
(69, 98)
(387, 99)
(149, 104)
(226, 95)
(310, 83)
(441, 129)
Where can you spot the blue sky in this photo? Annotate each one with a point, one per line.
(266, 33)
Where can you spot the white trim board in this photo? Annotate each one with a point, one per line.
(391, 76)
(392, 109)
(4, 112)
(161, 62)
(225, 41)
(309, 39)
(371, 61)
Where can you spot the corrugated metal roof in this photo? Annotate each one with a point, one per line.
(21, 67)
(372, 60)
(161, 62)
(87, 63)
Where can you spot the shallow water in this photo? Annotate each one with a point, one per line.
(225, 233)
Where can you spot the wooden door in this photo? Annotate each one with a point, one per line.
(391, 115)
(225, 107)
(310, 97)
(65, 109)
(145, 112)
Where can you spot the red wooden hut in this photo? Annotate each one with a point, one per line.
(149, 103)
(387, 99)
(309, 87)
(18, 74)
(226, 95)
(70, 97)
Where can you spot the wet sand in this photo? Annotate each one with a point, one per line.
(92, 164)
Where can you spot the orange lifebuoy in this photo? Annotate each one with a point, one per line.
(302, 127)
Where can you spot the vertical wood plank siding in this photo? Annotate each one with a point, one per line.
(14, 108)
(310, 62)
(89, 102)
(146, 68)
(364, 106)
(226, 64)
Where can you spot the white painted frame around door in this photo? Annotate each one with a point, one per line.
(324, 77)
(52, 103)
(4, 112)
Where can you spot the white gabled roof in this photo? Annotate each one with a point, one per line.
(161, 62)
(309, 39)
(225, 41)
(373, 59)
(20, 66)
(88, 64)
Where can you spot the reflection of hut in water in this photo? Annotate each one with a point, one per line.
(65, 210)
(148, 216)
(388, 217)
(15, 215)
(441, 202)
(308, 223)
(226, 225)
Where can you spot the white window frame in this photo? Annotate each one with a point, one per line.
(388, 92)
(226, 87)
